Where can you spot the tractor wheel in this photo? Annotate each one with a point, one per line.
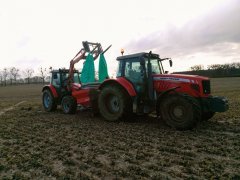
(114, 103)
(180, 112)
(69, 105)
(48, 101)
(207, 115)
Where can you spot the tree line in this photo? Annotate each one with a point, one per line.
(13, 76)
(215, 70)
(227, 66)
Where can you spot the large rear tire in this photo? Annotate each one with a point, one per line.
(48, 101)
(114, 103)
(180, 112)
(69, 105)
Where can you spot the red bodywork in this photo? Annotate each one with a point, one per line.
(123, 82)
(161, 83)
(164, 82)
(52, 89)
(81, 95)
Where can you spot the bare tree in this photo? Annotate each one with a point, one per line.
(5, 75)
(28, 74)
(214, 66)
(43, 74)
(14, 73)
(197, 67)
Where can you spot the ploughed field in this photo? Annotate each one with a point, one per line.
(37, 144)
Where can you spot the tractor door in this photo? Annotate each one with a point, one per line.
(59, 81)
(56, 81)
(135, 73)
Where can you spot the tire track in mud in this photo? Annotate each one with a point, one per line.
(11, 107)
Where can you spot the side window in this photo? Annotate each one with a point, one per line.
(64, 79)
(133, 71)
(120, 66)
(56, 80)
(76, 78)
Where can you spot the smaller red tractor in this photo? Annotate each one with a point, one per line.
(141, 87)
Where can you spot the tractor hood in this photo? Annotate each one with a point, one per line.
(180, 78)
(196, 86)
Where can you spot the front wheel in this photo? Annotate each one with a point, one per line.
(113, 103)
(69, 105)
(48, 101)
(207, 115)
(180, 112)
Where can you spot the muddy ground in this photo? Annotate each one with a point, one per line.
(37, 144)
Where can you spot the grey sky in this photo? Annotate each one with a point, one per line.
(49, 33)
(216, 33)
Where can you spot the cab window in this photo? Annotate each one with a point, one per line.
(76, 78)
(133, 71)
(56, 79)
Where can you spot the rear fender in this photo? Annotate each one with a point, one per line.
(52, 89)
(123, 83)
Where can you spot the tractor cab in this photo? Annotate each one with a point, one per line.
(59, 80)
(139, 69)
(135, 67)
(59, 77)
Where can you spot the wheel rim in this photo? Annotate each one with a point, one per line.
(46, 100)
(177, 112)
(66, 106)
(113, 104)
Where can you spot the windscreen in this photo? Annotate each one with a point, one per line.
(156, 66)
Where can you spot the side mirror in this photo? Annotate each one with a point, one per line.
(170, 63)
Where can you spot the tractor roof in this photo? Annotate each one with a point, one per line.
(137, 55)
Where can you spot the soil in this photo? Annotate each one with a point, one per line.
(37, 144)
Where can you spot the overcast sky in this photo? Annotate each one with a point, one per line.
(50, 32)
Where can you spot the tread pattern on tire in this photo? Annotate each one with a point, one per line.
(196, 114)
(53, 105)
(73, 104)
(125, 102)
(207, 115)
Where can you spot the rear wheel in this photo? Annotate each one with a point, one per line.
(48, 101)
(180, 112)
(114, 103)
(69, 105)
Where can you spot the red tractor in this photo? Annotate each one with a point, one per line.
(141, 87)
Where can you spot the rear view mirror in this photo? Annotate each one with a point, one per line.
(170, 63)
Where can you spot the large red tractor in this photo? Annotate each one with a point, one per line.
(141, 87)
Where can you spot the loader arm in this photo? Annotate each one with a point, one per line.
(89, 47)
(76, 59)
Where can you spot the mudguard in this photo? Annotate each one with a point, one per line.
(125, 84)
(52, 89)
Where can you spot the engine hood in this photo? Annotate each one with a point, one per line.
(179, 78)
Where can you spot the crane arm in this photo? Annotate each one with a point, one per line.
(79, 56)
